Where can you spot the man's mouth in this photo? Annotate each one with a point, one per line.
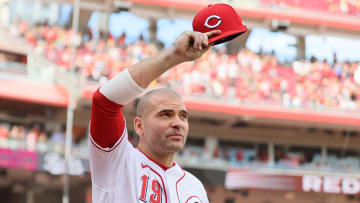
(175, 135)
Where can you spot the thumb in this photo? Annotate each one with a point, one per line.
(213, 33)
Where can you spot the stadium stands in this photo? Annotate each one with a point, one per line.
(244, 78)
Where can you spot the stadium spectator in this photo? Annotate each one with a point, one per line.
(239, 154)
(4, 132)
(58, 135)
(18, 132)
(32, 137)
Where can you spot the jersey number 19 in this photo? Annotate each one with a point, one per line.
(155, 197)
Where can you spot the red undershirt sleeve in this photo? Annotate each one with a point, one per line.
(107, 121)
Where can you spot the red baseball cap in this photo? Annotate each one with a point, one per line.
(219, 17)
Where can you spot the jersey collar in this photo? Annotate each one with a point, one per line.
(163, 167)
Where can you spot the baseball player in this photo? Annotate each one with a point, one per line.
(121, 173)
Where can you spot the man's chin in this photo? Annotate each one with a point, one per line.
(175, 147)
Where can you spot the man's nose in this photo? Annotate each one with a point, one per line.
(177, 122)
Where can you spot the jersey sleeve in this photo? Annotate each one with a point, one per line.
(107, 121)
(109, 148)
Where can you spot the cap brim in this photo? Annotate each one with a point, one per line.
(226, 36)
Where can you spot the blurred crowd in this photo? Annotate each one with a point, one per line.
(244, 77)
(349, 7)
(38, 137)
(96, 57)
(252, 78)
(258, 156)
(35, 137)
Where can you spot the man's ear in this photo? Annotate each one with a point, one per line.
(138, 126)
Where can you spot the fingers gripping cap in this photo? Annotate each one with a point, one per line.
(219, 17)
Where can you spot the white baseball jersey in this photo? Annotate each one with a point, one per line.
(121, 173)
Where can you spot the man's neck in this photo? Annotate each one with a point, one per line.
(164, 160)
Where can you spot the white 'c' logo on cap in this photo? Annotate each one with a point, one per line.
(211, 17)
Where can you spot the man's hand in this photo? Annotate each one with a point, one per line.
(192, 45)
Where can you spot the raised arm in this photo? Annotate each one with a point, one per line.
(188, 47)
(107, 122)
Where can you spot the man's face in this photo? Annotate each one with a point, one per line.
(165, 125)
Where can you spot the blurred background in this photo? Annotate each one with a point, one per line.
(274, 114)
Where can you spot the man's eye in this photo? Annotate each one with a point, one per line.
(165, 114)
(184, 116)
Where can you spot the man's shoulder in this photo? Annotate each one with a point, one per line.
(195, 188)
(190, 177)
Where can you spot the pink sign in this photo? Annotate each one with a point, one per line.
(19, 159)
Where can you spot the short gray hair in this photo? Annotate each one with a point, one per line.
(143, 102)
